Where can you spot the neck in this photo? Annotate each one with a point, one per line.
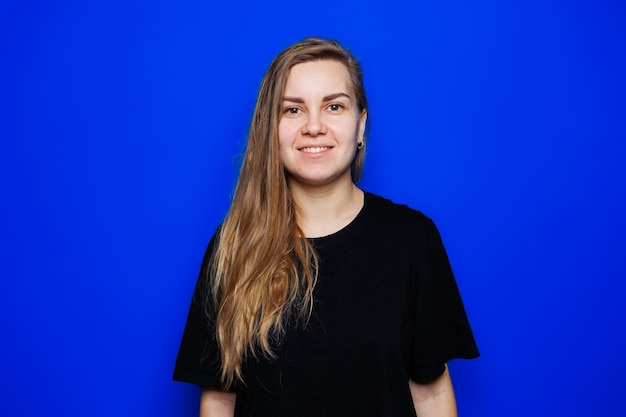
(321, 211)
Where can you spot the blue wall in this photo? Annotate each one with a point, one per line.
(120, 129)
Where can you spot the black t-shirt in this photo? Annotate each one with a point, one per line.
(386, 309)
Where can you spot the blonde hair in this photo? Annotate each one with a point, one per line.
(263, 268)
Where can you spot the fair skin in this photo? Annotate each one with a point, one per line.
(319, 129)
(214, 403)
(435, 399)
(318, 133)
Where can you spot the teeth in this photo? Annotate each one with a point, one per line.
(315, 150)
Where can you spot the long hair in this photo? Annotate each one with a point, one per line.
(263, 268)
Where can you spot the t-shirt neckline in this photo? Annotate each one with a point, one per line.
(347, 229)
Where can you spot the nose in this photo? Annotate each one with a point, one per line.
(314, 125)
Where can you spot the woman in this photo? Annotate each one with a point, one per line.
(316, 298)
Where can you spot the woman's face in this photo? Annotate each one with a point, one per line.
(320, 124)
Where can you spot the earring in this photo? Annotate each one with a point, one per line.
(360, 144)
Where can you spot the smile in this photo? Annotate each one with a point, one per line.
(316, 149)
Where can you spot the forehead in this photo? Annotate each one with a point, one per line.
(318, 76)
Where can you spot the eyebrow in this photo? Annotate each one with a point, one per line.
(327, 98)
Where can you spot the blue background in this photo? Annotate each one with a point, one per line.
(121, 128)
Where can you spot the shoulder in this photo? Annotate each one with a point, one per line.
(380, 203)
(399, 216)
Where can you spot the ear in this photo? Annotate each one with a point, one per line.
(362, 123)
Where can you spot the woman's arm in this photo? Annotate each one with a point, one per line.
(215, 403)
(435, 399)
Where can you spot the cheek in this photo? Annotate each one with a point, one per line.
(285, 134)
(351, 132)
(283, 141)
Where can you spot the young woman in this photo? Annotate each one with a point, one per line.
(316, 298)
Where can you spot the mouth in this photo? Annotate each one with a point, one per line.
(315, 149)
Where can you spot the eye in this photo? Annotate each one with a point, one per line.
(335, 107)
(292, 110)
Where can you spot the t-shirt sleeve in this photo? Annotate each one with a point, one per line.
(442, 331)
(198, 360)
